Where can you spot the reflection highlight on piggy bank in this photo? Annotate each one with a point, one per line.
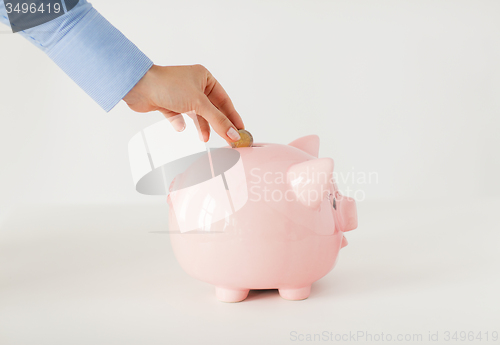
(263, 217)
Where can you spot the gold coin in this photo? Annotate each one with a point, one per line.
(246, 139)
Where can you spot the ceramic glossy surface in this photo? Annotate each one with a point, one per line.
(286, 234)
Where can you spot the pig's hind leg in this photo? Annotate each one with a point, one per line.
(230, 295)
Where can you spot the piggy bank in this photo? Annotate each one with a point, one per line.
(282, 227)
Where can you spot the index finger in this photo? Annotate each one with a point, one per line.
(218, 97)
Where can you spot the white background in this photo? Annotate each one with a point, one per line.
(409, 90)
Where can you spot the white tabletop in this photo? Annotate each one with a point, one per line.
(105, 274)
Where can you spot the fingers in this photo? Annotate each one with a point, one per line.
(204, 129)
(176, 119)
(201, 125)
(218, 96)
(212, 106)
(220, 123)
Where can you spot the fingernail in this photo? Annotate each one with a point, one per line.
(178, 124)
(233, 134)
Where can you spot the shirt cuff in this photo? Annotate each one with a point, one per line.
(100, 59)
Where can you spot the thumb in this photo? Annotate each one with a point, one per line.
(220, 123)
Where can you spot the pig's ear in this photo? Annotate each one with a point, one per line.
(308, 144)
(311, 180)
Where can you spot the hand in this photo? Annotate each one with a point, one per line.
(187, 89)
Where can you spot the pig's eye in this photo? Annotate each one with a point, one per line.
(334, 203)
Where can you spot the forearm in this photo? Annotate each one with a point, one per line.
(92, 52)
(106, 65)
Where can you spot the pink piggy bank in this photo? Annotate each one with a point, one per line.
(274, 220)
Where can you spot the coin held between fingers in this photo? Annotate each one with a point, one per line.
(246, 139)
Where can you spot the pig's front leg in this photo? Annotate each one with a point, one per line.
(295, 294)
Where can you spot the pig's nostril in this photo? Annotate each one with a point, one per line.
(335, 203)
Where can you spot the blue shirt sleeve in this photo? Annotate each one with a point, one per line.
(91, 51)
